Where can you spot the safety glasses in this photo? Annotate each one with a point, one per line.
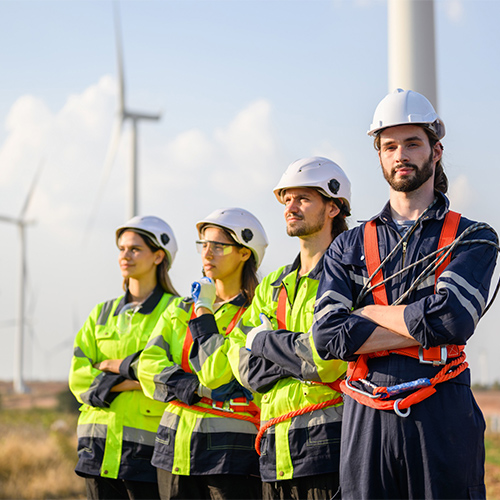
(125, 316)
(216, 247)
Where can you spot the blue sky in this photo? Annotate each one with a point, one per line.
(245, 88)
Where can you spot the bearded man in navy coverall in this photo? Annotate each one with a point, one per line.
(436, 448)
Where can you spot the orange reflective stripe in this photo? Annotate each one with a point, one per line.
(372, 257)
(448, 234)
(188, 339)
(281, 310)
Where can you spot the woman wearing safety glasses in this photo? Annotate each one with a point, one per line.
(118, 423)
(205, 443)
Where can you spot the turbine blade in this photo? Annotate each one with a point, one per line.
(5, 218)
(119, 59)
(106, 172)
(31, 191)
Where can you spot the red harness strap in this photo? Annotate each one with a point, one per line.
(281, 317)
(221, 409)
(359, 369)
(188, 339)
(281, 310)
(233, 409)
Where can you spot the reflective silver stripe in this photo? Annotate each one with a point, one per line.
(304, 352)
(160, 342)
(105, 312)
(206, 349)
(93, 386)
(459, 280)
(327, 310)
(139, 436)
(92, 430)
(78, 353)
(427, 283)
(336, 297)
(243, 364)
(160, 380)
(467, 304)
(208, 424)
(359, 280)
(170, 420)
(317, 417)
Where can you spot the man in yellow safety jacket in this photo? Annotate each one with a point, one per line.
(299, 440)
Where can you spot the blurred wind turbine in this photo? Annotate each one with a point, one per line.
(21, 222)
(123, 114)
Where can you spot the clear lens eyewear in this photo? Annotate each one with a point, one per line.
(216, 247)
(124, 319)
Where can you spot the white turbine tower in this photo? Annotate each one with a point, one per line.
(21, 222)
(123, 114)
(411, 44)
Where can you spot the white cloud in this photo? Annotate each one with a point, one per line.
(455, 10)
(461, 193)
(182, 181)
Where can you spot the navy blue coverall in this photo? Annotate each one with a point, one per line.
(438, 450)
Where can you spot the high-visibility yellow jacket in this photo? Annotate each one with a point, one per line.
(305, 444)
(116, 430)
(190, 439)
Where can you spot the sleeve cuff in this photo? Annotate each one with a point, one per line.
(102, 396)
(203, 325)
(127, 366)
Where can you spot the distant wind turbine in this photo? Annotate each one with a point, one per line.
(123, 114)
(21, 222)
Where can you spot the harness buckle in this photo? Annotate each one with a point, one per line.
(222, 406)
(235, 402)
(433, 362)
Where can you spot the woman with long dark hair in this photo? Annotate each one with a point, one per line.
(205, 443)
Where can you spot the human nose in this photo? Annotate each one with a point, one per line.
(401, 155)
(291, 207)
(125, 254)
(207, 251)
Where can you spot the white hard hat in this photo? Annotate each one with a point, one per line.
(244, 227)
(403, 107)
(316, 172)
(158, 231)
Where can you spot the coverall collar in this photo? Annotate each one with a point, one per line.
(438, 210)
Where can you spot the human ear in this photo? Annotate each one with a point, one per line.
(245, 253)
(159, 256)
(334, 210)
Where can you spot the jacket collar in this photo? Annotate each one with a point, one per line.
(148, 306)
(313, 274)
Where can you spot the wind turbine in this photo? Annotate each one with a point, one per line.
(411, 44)
(124, 113)
(21, 222)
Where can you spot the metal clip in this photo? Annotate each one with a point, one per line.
(398, 412)
(359, 391)
(226, 406)
(442, 361)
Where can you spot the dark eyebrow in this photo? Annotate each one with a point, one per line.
(414, 138)
(388, 141)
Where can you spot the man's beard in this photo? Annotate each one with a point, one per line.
(411, 182)
(307, 228)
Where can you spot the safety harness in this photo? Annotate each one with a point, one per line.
(281, 317)
(234, 408)
(437, 356)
